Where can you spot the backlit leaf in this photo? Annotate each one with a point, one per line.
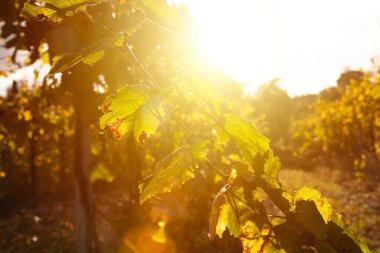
(249, 139)
(64, 4)
(175, 169)
(168, 14)
(228, 219)
(323, 205)
(91, 54)
(271, 169)
(222, 136)
(132, 109)
(307, 214)
(39, 12)
(93, 57)
(126, 102)
(145, 121)
(341, 237)
(56, 10)
(307, 193)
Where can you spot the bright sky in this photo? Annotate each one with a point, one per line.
(307, 44)
(23, 74)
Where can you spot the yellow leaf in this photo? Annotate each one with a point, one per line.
(27, 115)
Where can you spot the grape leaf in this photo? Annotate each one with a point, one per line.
(126, 102)
(341, 237)
(257, 237)
(248, 138)
(241, 216)
(307, 214)
(64, 4)
(168, 14)
(323, 205)
(56, 10)
(228, 219)
(88, 55)
(134, 109)
(292, 237)
(174, 170)
(221, 135)
(145, 122)
(307, 193)
(39, 12)
(268, 166)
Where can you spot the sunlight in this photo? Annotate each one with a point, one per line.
(136, 141)
(229, 39)
(305, 44)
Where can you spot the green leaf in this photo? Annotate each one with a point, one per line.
(341, 237)
(93, 53)
(232, 210)
(312, 212)
(168, 14)
(145, 122)
(126, 102)
(249, 140)
(39, 12)
(271, 169)
(101, 172)
(134, 109)
(257, 237)
(323, 205)
(65, 4)
(175, 169)
(228, 219)
(56, 10)
(307, 193)
(93, 57)
(307, 214)
(265, 245)
(280, 197)
(88, 55)
(293, 238)
(222, 136)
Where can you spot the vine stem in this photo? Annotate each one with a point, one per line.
(155, 84)
(276, 216)
(164, 28)
(216, 169)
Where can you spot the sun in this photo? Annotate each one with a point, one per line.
(304, 44)
(234, 37)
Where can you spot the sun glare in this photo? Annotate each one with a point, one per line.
(236, 40)
(305, 44)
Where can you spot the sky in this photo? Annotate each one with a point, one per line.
(307, 44)
(23, 74)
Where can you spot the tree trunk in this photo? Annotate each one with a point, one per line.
(84, 207)
(63, 163)
(32, 169)
(72, 36)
